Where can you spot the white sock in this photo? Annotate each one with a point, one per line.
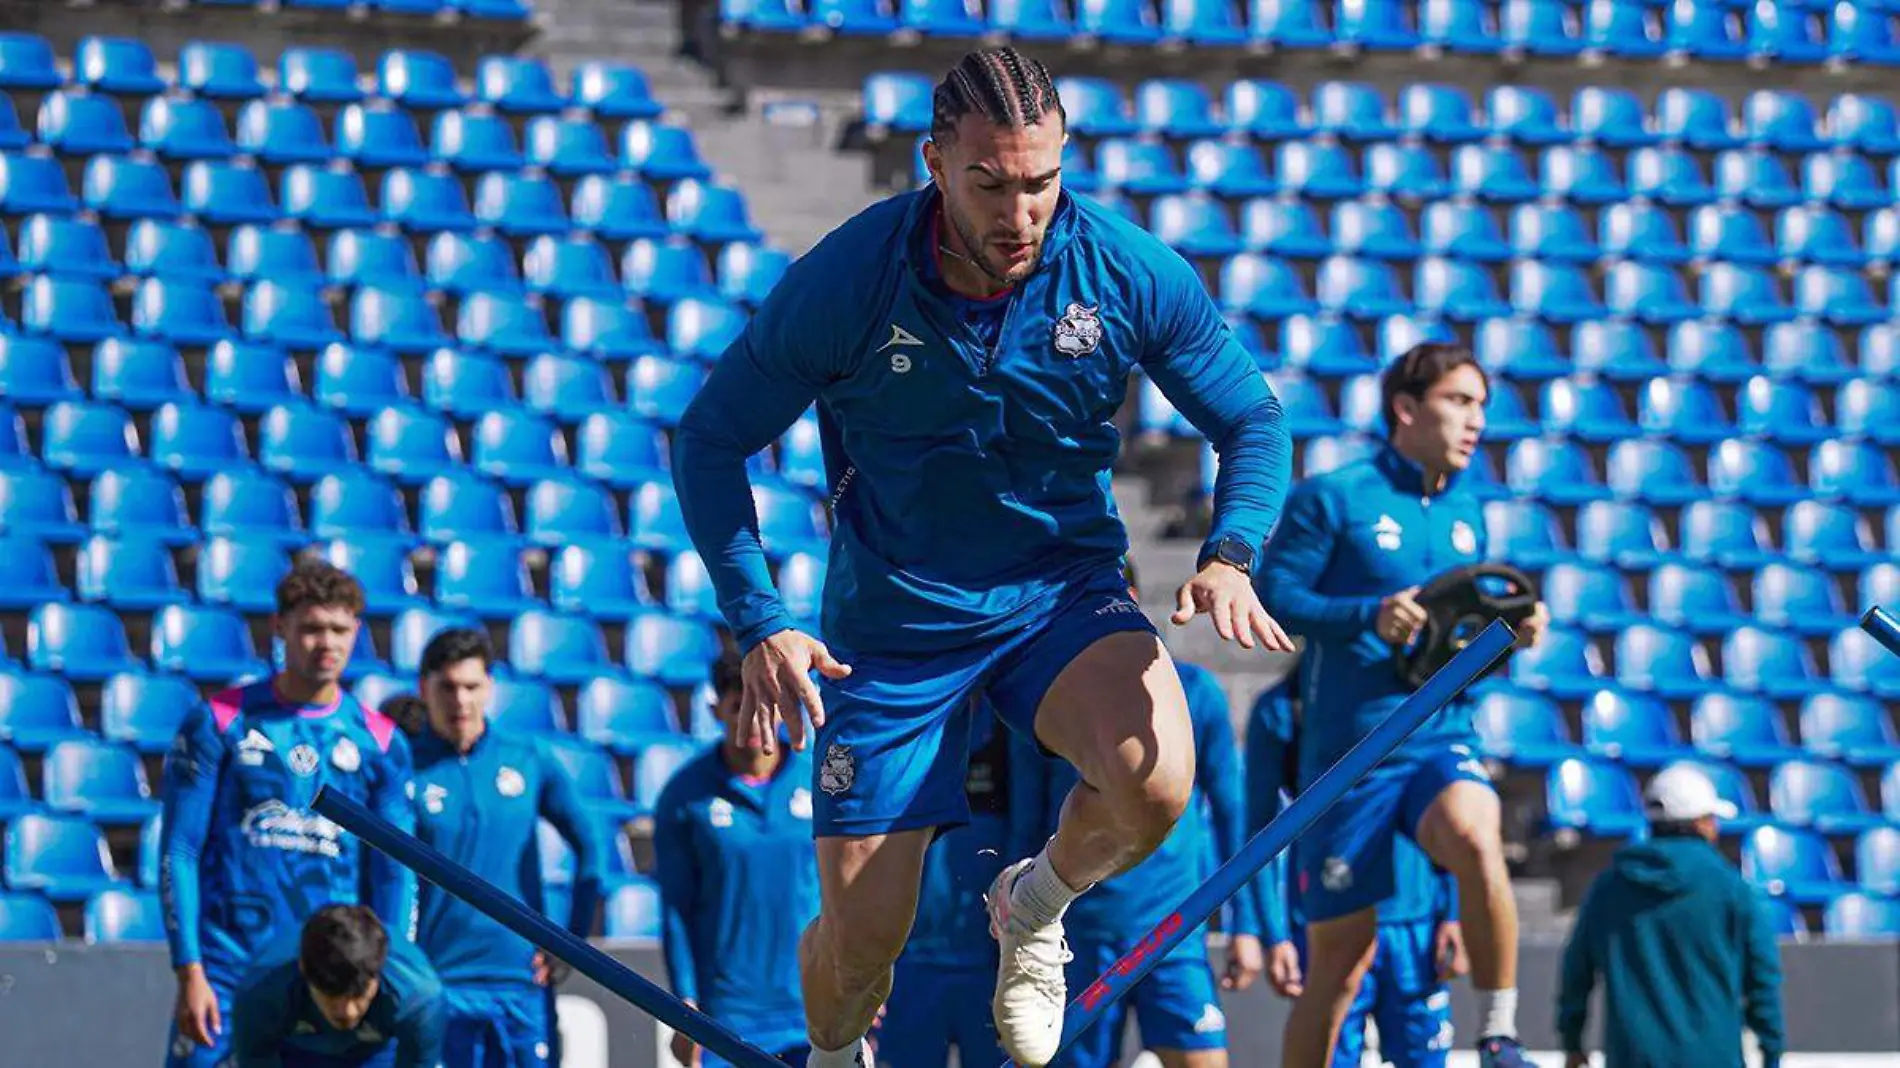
(855, 1055)
(1498, 1010)
(1039, 897)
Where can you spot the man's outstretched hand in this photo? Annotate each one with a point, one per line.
(1225, 594)
(777, 677)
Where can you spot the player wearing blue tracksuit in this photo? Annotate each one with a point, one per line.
(940, 996)
(480, 793)
(284, 1021)
(738, 883)
(244, 859)
(1177, 1005)
(1404, 992)
(968, 447)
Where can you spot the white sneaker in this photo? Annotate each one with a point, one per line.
(1030, 989)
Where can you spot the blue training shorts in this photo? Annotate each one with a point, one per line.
(933, 1007)
(1404, 996)
(894, 750)
(1175, 1006)
(498, 1028)
(1344, 862)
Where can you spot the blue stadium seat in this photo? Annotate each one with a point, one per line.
(1462, 231)
(1582, 175)
(466, 384)
(1632, 729)
(1496, 173)
(1842, 181)
(72, 310)
(1440, 113)
(1626, 30)
(178, 128)
(1359, 289)
(1815, 234)
(1522, 728)
(612, 331)
(558, 648)
(1283, 227)
(1587, 411)
(714, 214)
(1857, 472)
(1264, 287)
(689, 590)
(568, 148)
(181, 312)
(519, 205)
(294, 317)
(633, 910)
(1669, 176)
(141, 500)
(1783, 34)
(1829, 535)
(624, 715)
(1618, 351)
(27, 917)
(1742, 729)
(597, 578)
(565, 509)
(1377, 230)
(1325, 171)
(1856, 915)
(503, 323)
(567, 388)
(250, 378)
(801, 582)
(465, 263)
(1524, 532)
(666, 270)
(217, 192)
(1787, 413)
(1519, 348)
(659, 152)
(1538, 27)
(788, 520)
(1458, 26)
(327, 199)
(1031, 20)
(1695, 597)
(33, 184)
(612, 90)
(76, 125)
(1754, 472)
(1864, 123)
(519, 448)
(1351, 111)
(399, 319)
(1714, 351)
(1772, 663)
(124, 916)
(1555, 232)
(1591, 598)
(27, 62)
(656, 764)
(1138, 167)
(1563, 665)
(659, 389)
(1822, 796)
(256, 254)
(63, 246)
(242, 569)
(747, 272)
(1172, 107)
(1880, 351)
(1755, 177)
(319, 75)
(1703, 31)
(367, 258)
(523, 706)
(1525, 115)
(116, 65)
(1324, 346)
(1555, 292)
(418, 80)
(1375, 27)
(484, 578)
(474, 142)
(1877, 861)
(206, 644)
(303, 443)
(1780, 120)
(1851, 728)
(1837, 296)
(84, 642)
(411, 630)
(99, 780)
(1869, 411)
(654, 521)
(1663, 661)
(425, 202)
(194, 441)
(1262, 109)
(129, 573)
(670, 650)
(1117, 22)
(409, 444)
(385, 570)
(1610, 118)
(355, 504)
(1791, 862)
(36, 372)
(1594, 797)
(1879, 583)
(15, 800)
(379, 137)
(1287, 24)
(82, 438)
(39, 711)
(619, 450)
(1727, 534)
(1553, 470)
(1862, 665)
(1798, 599)
(32, 577)
(1730, 234)
(1455, 290)
(1810, 352)
(1683, 410)
(279, 133)
(61, 857)
(1694, 118)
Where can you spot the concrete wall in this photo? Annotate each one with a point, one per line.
(80, 1006)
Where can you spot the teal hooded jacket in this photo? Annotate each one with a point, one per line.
(1687, 957)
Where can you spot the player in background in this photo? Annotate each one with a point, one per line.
(480, 792)
(940, 992)
(243, 858)
(1177, 1006)
(738, 882)
(339, 993)
(968, 345)
(1420, 946)
(1343, 569)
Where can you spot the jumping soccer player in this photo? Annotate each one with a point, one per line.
(339, 994)
(243, 857)
(1343, 570)
(480, 791)
(1420, 946)
(968, 345)
(738, 882)
(941, 986)
(1178, 1004)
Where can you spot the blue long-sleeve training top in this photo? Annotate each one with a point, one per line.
(968, 483)
(1348, 539)
(481, 808)
(242, 856)
(738, 883)
(952, 925)
(276, 1019)
(1209, 832)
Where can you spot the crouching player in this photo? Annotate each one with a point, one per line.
(338, 993)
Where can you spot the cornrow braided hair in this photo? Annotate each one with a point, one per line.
(1000, 84)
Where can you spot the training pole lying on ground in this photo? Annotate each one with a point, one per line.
(429, 863)
(1886, 630)
(1472, 661)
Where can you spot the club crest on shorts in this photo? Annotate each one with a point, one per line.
(838, 771)
(1336, 875)
(1079, 331)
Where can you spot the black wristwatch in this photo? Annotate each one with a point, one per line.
(1232, 551)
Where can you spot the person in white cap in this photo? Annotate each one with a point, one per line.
(1685, 949)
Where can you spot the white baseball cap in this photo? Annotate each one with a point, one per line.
(1683, 793)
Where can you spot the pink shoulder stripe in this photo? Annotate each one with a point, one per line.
(225, 706)
(381, 727)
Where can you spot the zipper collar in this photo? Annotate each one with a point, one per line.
(1408, 476)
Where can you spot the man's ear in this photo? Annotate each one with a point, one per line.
(933, 160)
